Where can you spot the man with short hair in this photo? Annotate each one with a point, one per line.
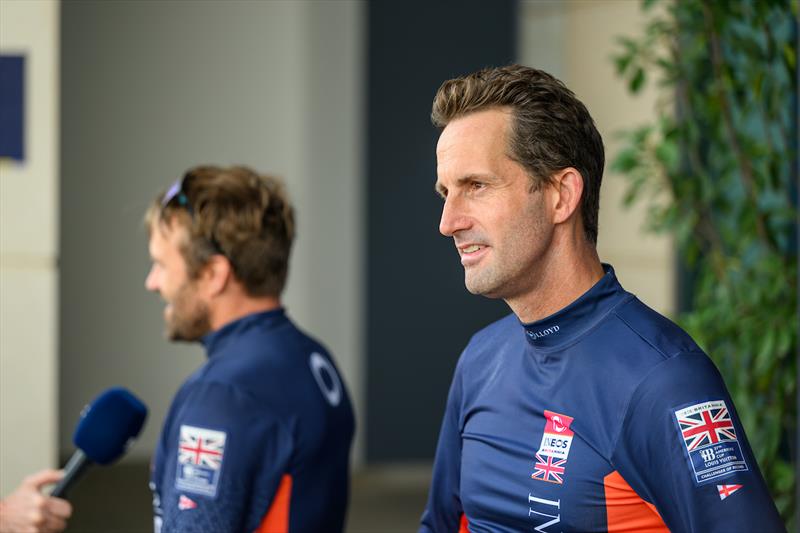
(584, 410)
(258, 438)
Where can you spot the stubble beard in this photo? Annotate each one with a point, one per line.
(484, 282)
(509, 265)
(502, 277)
(191, 318)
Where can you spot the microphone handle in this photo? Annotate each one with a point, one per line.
(73, 470)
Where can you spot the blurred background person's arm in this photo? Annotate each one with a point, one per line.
(28, 510)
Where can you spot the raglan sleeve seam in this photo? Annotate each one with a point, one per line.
(629, 404)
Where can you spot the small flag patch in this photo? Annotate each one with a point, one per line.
(549, 469)
(185, 503)
(727, 490)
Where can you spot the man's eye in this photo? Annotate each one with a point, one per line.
(476, 185)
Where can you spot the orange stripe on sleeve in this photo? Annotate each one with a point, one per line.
(277, 518)
(627, 511)
(463, 525)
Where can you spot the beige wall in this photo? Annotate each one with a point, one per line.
(575, 40)
(29, 252)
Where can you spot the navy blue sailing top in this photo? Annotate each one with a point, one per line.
(602, 417)
(258, 438)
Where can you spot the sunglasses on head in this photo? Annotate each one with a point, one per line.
(177, 195)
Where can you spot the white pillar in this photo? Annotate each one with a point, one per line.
(29, 251)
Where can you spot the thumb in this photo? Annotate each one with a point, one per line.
(42, 478)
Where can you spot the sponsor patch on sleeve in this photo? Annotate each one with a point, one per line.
(709, 439)
(200, 456)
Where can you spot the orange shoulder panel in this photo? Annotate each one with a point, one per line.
(627, 511)
(277, 518)
(463, 526)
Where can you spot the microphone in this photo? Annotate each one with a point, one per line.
(104, 431)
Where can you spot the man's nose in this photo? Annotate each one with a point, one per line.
(454, 217)
(151, 281)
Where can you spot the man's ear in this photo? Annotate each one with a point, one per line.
(216, 274)
(566, 193)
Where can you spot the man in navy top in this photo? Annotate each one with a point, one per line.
(258, 438)
(584, 410)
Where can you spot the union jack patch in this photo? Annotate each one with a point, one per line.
(549, 469)
(709, 439)
(200, 456)
(707, 423)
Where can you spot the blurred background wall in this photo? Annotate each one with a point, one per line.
(29, 276)
(332, 96)
(420, 316)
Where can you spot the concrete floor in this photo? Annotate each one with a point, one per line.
(384, 499)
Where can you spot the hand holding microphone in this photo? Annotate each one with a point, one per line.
(27, 509)
(105, 428)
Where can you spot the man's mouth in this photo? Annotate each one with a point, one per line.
(472, 253)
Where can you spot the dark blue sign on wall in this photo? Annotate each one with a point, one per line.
(12, 106)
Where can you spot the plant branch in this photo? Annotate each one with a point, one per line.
(784, 134)
(744, 163)
(705, 226)
(772, 49)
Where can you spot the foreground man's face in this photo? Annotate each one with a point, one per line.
(499, 226)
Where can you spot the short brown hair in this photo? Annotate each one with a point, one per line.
(235, 212)
(552, 129)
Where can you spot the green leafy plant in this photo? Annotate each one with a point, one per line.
(718, 171)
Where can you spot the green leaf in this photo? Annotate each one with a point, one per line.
(784, 342)
(666, 65)
(626, 160)
(648, 4)
(667, 154)
(621, 62)
(637, 81)
(789, 55)
(629, 44)
(766, 353)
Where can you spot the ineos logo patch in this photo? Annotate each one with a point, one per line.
(327, 378)
(558, 425)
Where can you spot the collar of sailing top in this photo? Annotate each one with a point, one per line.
(580, 316)
(215, 341)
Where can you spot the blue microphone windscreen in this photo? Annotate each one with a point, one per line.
(108, 423)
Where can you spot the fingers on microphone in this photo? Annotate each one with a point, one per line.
(43, 477)
(54, 524)
(59, 508)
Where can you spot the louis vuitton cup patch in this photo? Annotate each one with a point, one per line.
(710, 441)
